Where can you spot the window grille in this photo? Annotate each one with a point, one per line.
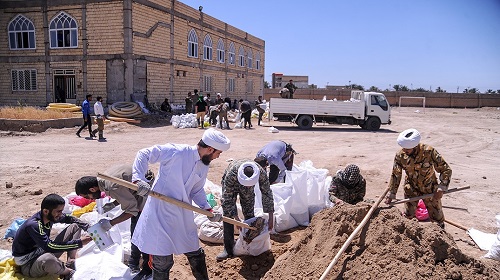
(23, 80)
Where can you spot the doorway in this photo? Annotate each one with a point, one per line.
(64, 86)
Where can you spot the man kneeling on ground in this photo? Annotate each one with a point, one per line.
(36, 253)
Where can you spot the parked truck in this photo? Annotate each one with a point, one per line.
(367, 109)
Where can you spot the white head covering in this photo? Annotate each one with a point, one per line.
(218, 94)
(248, 181)
(409, 138)
(216, 140)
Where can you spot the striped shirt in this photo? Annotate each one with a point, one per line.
(33, 238)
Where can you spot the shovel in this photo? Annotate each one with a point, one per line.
(174, 201)
(417, 198)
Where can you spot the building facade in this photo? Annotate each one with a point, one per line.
(119, 49)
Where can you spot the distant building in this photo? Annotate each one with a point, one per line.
(122, 48)
(279, 80)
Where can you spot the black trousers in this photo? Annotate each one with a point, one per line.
(135, 253)
(87, 122)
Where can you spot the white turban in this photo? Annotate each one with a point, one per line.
(244, 179)
(409, 138)
(216, 140)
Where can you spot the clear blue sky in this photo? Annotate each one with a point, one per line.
(424, 43)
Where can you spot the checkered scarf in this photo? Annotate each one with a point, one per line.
(350, 176)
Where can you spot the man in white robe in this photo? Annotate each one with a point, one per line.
(165, 229)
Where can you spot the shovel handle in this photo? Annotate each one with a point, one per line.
(174, 201)
(411, 199)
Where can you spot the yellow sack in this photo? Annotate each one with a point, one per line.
(78, 212)
(10, 271)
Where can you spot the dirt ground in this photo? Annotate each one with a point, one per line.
(468, 139)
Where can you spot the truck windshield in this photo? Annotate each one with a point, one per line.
(380, 101)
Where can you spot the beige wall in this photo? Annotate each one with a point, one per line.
(432, 99)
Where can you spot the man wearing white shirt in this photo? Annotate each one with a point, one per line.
(99, 112)
(165, 229)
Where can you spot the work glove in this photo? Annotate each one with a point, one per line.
(216, 218)
(443, 186)
(105, 224)
(143, 188)
(389, 198)
(108, 207)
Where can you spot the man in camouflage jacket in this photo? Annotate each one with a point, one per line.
(234, 186)
(420, 162)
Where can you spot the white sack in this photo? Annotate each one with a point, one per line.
(299, 209)
(282, 196)
(259, 245)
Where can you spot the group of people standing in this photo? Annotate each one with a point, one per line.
(160, 230)
(203, 105)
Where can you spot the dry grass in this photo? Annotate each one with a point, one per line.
(32, 113)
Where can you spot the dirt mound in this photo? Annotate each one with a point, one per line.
(389, 246)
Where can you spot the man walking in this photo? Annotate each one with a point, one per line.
(99, 113)
(165, 229)
(420, 162)
(239, 179)
(259, 109)
(87, 121)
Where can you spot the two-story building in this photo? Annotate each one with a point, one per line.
(122, 48)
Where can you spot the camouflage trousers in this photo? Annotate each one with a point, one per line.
(433, 206)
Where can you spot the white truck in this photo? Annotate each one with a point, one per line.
(367, 109)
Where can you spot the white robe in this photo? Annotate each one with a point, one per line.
(164, 228)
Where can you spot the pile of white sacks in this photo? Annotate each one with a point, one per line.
(304, 193)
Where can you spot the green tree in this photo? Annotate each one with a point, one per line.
(490, 91)
(355, 86)
(474, 90)
(266, 84)
(373, 88)
(404, 88)
(439, 89)
(420, 89)
(397, 87)
(313, 86)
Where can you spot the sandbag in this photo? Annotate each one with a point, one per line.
(211, 232)
(282, 196)
(299, 209)
(259, 244)
(494, 252)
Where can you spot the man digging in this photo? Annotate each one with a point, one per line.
(420, 162)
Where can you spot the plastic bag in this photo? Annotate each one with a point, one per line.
(494, 252)
(14, 226)
(421, 213)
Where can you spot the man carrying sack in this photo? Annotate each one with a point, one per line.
(420, 162)
(165, 229)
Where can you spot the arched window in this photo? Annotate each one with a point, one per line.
(221, 53)
(257, 61)
(250, 59)
(207, 48)
(241, 55)
(232, 54)
(192, 44)
(63, 31)
(21, 33)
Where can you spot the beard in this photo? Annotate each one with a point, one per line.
(207, 159)
(51, 217)
(96, 195)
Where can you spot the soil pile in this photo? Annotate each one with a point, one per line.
(389, 247)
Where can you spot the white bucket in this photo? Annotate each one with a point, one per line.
(101, 237)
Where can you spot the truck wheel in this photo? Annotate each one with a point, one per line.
(373, 124)
(305, 122)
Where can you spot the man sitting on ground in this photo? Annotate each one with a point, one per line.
(36, 253)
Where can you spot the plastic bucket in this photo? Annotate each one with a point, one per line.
(101, 237)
